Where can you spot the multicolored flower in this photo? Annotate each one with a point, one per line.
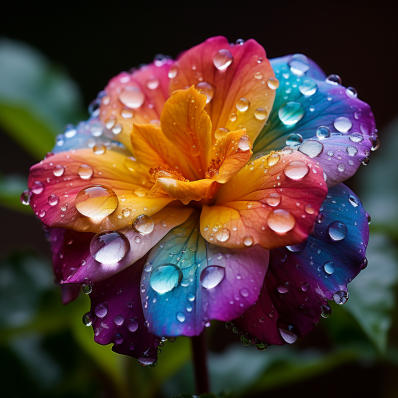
(209, 188)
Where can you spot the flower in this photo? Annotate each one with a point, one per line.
(209, 188)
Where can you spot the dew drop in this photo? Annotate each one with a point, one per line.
(311, 148)
(248, 240)
(25, 197)
(143, 224)
(118, 320)
(173, 72)
(329, 267)
(283, 288)
(353, 200)
(222, 235)
(294, 139)
(110, 122)
(207, 89)
(281, 221)
(333, 79)
(323, 132)
(243, 105)
(87, 319)
(181, 317)
(58, 170)
(101, 310)
(351, 150)
(299, 64)
(37, 188)
(309, 209)
(297, 248)
(222, 59)
(308, 87)
(99, 149)
(244, 143)
(351, 92)
(117, 129)
(273, 199)
(341, 297)
(296, 170)
(291, 113)
(288, 336)
(326, 311)
(212, 276)
(96, 201)
(273, 83)
(337, 231)
(53, 200)
(356, 137)
(152, 83)
(260, 114)
(132, 97)
(165, 278)
(118, 338)
(85, 171)
(132, 325)
(342, 124)
(221, 132)
(109, 247)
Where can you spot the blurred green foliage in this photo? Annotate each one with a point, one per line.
(45, 349)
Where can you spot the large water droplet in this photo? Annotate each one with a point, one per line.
(207, 89)
(289, 336)
(356, 137)
(58, 170)
(281, 221)
(85, 171)
(143, 224)
(311, 148)
(212, 276)
(294, 139)
(260, 114)
(329, 267)
(341, 297)
(323, 132)
(283, 288)
(133, 325)
(221, 132)
(351, 92)
(109, 247)
(119, 320)
(118, 338)
(342, 124)
(299, 64)
(165, 278)
(101, 310)
(273, 199)
(53, 200)
(333, 79)
(296, 170)
(291, 113)
(326, 311)
(96, 201)
(223, 235)
(37, 188)
(132, 97)
(297, 248)
(87, 319)
(273, 83)
(353, 200)
(351, 150)
(337, 230)
(243, 105)
(248, 240)
(25, 197)
(99, 149)
(244, 143)
(308, 87)
(180, 317)
(222, 59)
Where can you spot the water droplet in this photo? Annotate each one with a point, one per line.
(70, 131)
(333, 79)
(96, 201)
(143, 224)
(101, 310)
(296, 170)
(341, 297)
(297, 248)
(281, 221)
(258, 75)
(351, 150)
(326, 311)
(375, 144)
(273, 199)
(351, 92)
(96, 129)
(85, 171)
(165, 278)
(294, 139)
(243, 105)
(342, 124)
(364, 264)
(299, 64)
(87, 288)
(118, 320)
(283, 287)
(329, 267)
(288, 336)
(221, 132)
(42, 213)
(181, 317)
(353, 200)
(132, 97)
(117, 129)
(110, 122)
(244, 292)
(207, 89)
(248, 240)
(37, 188)
(356, 137)
(212, 276)
(126, 113)
(244, 143)
(58, 170)
(222, 59)
(260, 114)
(341, 167)
(311, 148)
(191, 297)
(261, 346)
(25, 197)
(223, 235)
(99, 149)
(109, 247)
(308, 87)
(132, 325)
(323, 132)
(118, 338)
(152, 83)
(291, 113)
(309, 209)
(273, 83)
(87, 319)
(337, 231)
(232, 117)
(53, 200)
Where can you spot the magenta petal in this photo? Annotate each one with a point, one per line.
(302, 278)
(118, 317)
(188, 282)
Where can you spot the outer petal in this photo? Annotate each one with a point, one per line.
(174, 296)
(118, 317)
(349, 120)
(246, 77)
(262, 205)
(111, 169)
(301, 279)
(80, 267)
(135, 98)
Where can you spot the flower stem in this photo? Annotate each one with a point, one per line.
(199, 354)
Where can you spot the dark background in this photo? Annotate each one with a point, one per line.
(95, 41)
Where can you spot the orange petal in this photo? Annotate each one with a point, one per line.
(135, 98)
(185, 123)
(246, 77)
(273, 202)
(185, 191)
(229, 154)
(113, 191)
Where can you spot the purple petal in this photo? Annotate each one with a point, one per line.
(187, 282)
(118, 317)
(300, 279)
(337, 128)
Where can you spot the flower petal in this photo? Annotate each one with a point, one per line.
(337, 128)
(273, 202)
(301, 279)
(58, 180)
(189, 282)
(79, 266)
(135, 98)
(246, 77)
(118, 317)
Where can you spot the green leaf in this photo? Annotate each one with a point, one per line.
(37, 99)
(372, 295)
(11, 187)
